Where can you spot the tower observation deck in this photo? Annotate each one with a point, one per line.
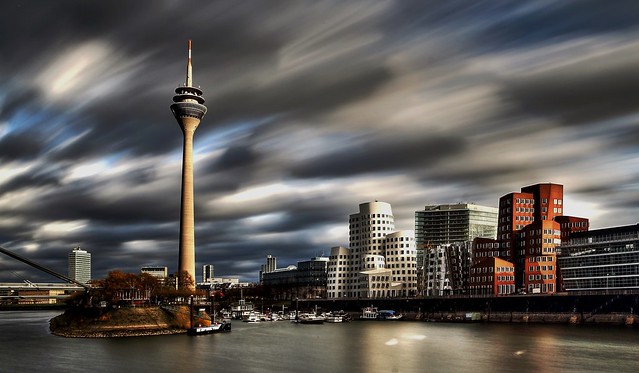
(188, 109)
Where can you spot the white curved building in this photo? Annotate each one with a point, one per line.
(368, 228)
(339, 282)
(400, 252)
(379, 263)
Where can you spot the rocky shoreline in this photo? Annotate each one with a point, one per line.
(117, 333)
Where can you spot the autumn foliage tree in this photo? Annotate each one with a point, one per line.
(118, 283)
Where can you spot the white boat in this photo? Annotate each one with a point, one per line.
(369, 313)
(252, 317)
(337, 317)
(309, 318)
(241, 310)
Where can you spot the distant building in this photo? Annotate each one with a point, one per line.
(155, 271)
(306, 280)
(270, 266)
(161, 273)
(312, 273)
(207, 272)
(280, 276)
(601, 259)
(79, 265)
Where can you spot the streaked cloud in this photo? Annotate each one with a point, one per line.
(314, 108)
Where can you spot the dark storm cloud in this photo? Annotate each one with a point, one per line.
(236, 156)
(304, 94)
(381, 155)
(39, 178)
(578, 95)
(19, 146)
(77, 203)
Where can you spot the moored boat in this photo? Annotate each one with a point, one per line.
(252, 317)
(337, 317)
(215, 328)
(388, 315)
(372, 313)
(310, 319)
(369, 313)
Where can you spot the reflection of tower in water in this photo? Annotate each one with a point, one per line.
(188, 109)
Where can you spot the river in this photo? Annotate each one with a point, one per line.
(361, 346)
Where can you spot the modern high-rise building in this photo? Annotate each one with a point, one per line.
(270, 266)
(188, 109)
(461, 222)
(80, 265)
(380, 262)
(207, 273)
(437, 227)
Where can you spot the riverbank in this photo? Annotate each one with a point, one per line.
(119, 322)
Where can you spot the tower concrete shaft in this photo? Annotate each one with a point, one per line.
(188, 109)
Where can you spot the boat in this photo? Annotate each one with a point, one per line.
(241, 310)
(372, 313)
(202, 317)
(388, 315)
(308, 318)
(369, 313)
(214, 328)
(252, 317)
(337, 317)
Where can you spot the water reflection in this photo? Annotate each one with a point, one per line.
(354, 347)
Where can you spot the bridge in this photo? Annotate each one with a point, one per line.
(38, 293)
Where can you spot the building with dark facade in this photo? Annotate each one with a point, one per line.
(601, 259)
(306, 280)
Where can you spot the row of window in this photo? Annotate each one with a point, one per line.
(540, 277)
(534, 259)
(370, 216)
(540, 268)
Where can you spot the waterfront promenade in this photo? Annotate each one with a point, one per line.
(611, 307)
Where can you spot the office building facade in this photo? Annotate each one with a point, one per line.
(208, 273)
(79, 265)
(601, 259)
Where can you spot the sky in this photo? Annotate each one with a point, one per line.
(313, 108)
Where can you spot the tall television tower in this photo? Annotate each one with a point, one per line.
(188, 109)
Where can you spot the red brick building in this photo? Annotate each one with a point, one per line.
(492, 276)
(530, 227)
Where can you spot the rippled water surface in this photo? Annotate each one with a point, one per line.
(361, 346)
